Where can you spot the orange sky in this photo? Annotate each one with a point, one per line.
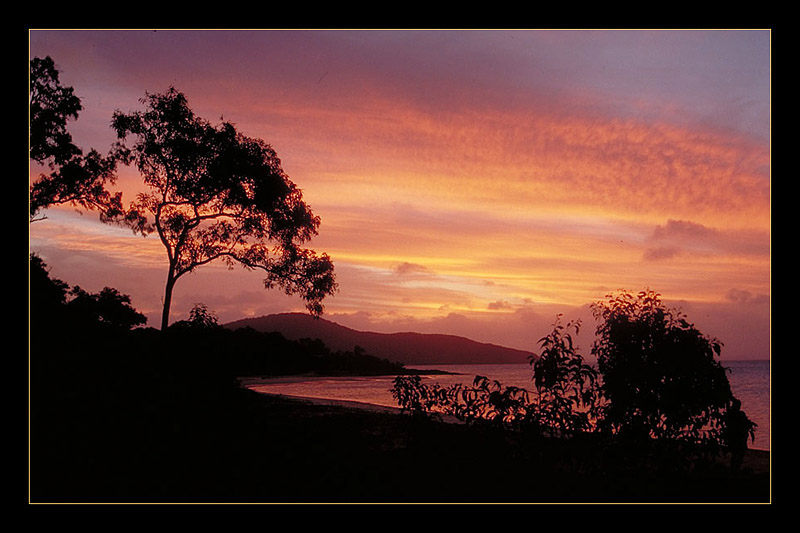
(473, 183)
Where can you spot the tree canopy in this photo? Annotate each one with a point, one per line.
(660, 373)
(74, 178)
(53, 301)
(215, 193)
(109, 306)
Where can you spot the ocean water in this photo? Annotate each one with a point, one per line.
(750, 381)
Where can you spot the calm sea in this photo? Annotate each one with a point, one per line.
(750, 381)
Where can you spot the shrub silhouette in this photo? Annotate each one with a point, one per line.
(660, 376)
(200, 317)
(567, 389)
(565, 400)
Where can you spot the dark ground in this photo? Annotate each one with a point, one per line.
(244, 447)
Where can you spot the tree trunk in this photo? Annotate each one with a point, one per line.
(167, 298)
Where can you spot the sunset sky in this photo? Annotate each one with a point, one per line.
(474, 183)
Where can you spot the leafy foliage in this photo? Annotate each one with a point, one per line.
(200, 318)
(660, 375)
(486, 401)
(109, 306)
(215, 193)
(75, 178)
(566, 387)
(51, 106)
(54, 300)
(490, 400)
(411, 395)
(564, 403)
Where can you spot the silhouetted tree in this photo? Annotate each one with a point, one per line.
(660, 376)
(109, 306)
(53, 300)
(75, 178)
(217, 194)
(200, 317)
(45, 293)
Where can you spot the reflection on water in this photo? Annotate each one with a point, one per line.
(749, 381)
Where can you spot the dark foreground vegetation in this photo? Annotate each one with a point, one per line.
(248, 448)
(142, 416)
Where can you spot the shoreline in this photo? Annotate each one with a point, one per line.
(330, 402)
(253, 383)
(353, 405)
(756, 459)
(307, 377)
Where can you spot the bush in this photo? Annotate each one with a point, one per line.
(660, 376)
(567, 388)
(564, 404)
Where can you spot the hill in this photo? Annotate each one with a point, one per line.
(405, 348)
